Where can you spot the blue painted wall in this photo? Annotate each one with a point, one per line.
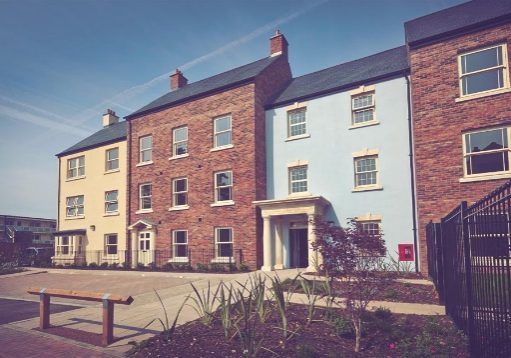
(329, 150)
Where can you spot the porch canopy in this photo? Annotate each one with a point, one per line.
(276, 208)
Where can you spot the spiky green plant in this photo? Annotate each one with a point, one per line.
(226, 303)
(168, 330)
(310, 292)
(204, 303)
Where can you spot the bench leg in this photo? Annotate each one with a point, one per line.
(108, 323)
(44, 311)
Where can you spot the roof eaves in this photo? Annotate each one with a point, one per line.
(97, 145)
(190, 98)
(394, 74)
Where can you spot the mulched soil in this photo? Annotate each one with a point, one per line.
(393, 336)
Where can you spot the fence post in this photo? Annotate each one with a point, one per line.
(468, 272)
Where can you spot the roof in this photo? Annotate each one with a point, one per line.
(15, 217)
(456, 20)
(384, 64)
(223, 80)
(111, 134)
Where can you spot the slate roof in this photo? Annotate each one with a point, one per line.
(345, 75)
(111, 134)
(223, 80)
(455, 20)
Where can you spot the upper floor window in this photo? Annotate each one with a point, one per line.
(112, 159)
(486, 152)
(483, 70)
(370, 227)
(74, 206)
(179, 192)
(146, 149)
(223, 186)
(111, 244)
(145, 196)
(296, 123)
(366, 171)
(222, 131)
(180, 141)
(362, 108)
(76, 167)
(111, 202)
(298, 179)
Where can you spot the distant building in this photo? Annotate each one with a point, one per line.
(26, 230)
(92, 197)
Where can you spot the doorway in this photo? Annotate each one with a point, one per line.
(145, 253)
(298, 248)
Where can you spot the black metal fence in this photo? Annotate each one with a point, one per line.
(194, 259)
(469, 260)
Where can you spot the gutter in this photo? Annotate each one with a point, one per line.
(412, 172)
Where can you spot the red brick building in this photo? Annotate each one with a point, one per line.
(197, 162)
(461, 99)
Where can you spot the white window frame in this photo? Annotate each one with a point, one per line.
(69, 246)
(72, 203)
(291, 181)
(376, 170)
(224, 259)
(368, 107)
(365, 223)
(504, 67)
(73, 164)
(142, 151)
(107, 202)
(217, 133)
(217, 187)
(109, 165)
(466, 155)
(175, 245)
(108, 244)
(140, 197)
(290, 126)
(176, 143)
(175, 193)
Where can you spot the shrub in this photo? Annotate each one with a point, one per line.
(104, 265)
(244, 268)
(59, 266)
(383, 313)
(93, 265)
(167, 267)
(216, 267)
(342, 326)
(202, 267)
(390, 294)
(84, 264)
(141, 267)
(152, 266)
(306, 351)
(114, 265)
(183, 267)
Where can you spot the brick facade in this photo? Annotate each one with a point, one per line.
(245, 104)
(439, 122)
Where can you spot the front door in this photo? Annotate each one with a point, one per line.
(298, 248)
(145, 250)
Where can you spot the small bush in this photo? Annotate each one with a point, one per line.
(60, 266)
(383, 313)
(167, 267)
(391, 294)
(114, 265)
(183, 267)
(104, 265)
(84, 264)
(244, 268)
(202, 267)
(141, 267)
(306, 351)
(93, 265)
(152, 266)
(216, 267)
(343, 327)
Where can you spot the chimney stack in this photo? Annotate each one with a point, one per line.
(109, 118)
(177, 80)
(278, 45)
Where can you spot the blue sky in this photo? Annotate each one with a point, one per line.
(62, 63)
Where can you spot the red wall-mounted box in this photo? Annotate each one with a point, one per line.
(405, 252)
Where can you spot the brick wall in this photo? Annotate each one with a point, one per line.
(246, 160)
(439, 122)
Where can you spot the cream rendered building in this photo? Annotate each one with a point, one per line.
(92, 198)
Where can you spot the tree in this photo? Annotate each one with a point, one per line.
(356, 255)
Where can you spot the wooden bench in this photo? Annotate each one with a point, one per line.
(108, 306)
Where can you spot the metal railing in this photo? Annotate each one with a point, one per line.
(469, 260)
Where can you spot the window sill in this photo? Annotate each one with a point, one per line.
(223, 260)
(76, 178)
(144, 211)
(485, 177)
(296, 137)
(222, 203)
(228, 146)
(144, 164)
(179, 156)
(111, 214)
(112, 171)
(482, 94)
(75, 217)
(364, 124)
(179, 260)
(367, 188)
(299, 195)
(179, 208)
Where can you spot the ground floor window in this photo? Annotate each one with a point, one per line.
(111, 244)
(223, 242)
(64, 245)
(180, 244)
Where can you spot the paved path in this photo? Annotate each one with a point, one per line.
(17, 310)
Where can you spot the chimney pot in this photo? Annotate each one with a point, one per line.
(109, 118)
(177, 80)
